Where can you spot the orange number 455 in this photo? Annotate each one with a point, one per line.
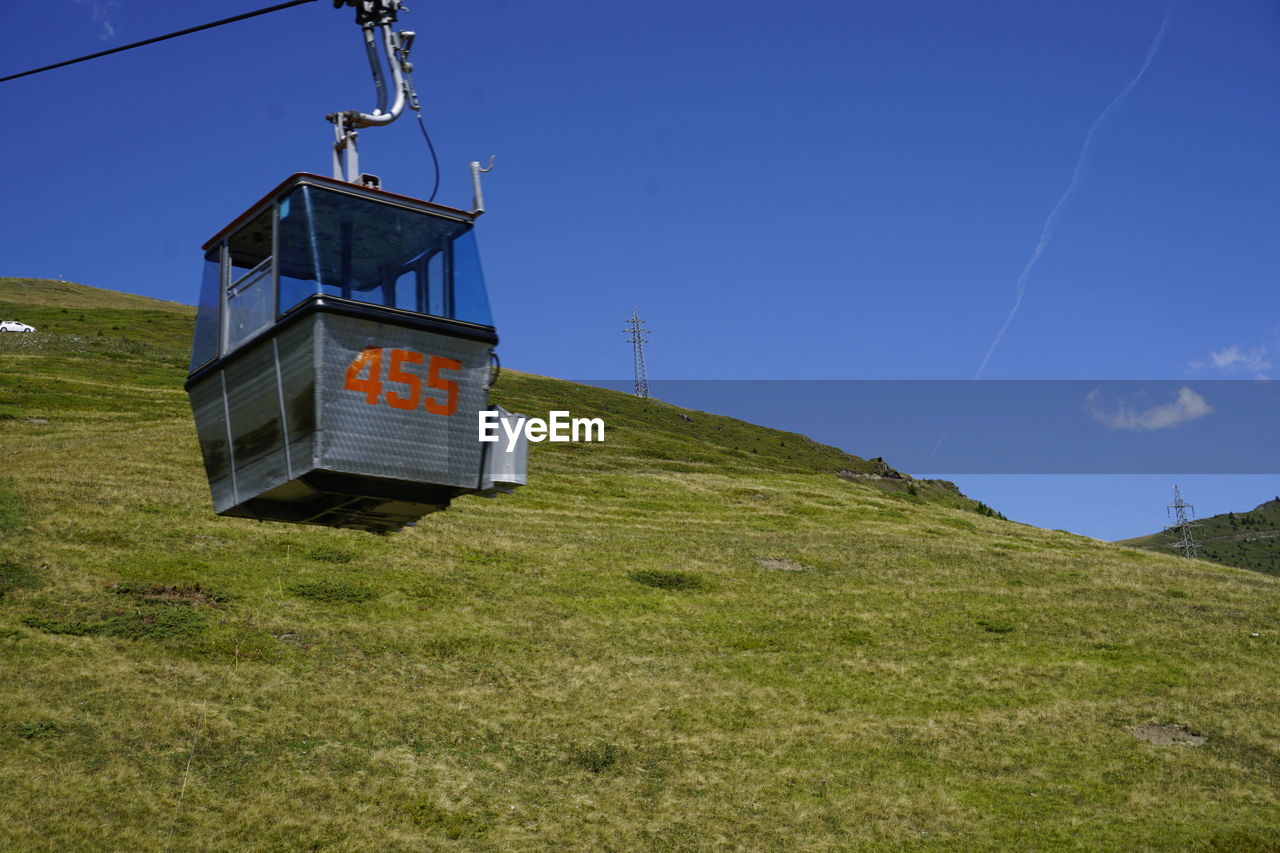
(370, 359)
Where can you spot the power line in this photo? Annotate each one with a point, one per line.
(145, 42)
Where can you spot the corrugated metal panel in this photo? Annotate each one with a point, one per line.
(383, 441)
(286, 436)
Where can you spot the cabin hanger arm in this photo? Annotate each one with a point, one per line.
(376, 19)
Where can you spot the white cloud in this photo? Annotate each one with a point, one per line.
(1188, 406)
(1237, 359)
(102, 12)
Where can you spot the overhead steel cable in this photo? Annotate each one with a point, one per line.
(145, 42)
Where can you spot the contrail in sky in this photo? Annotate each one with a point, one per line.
(1046, 233)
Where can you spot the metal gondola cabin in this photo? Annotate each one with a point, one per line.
(343, 343)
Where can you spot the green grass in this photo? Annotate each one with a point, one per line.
(16, 575)
(333, 591)
(667, 580)
(11, 515)
(1247, 540)
(692, 636)
(33, 296)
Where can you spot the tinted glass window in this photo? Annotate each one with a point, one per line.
(251, 245)
(365, 250)
(470, 302)
(251, 295)
(406, 296)
(251, 306)
(436, 286)
(205, 344)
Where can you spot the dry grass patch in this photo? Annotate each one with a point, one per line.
(1167, 734)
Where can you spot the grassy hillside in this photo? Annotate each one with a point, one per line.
(39, 294)
(693, 636)
(1249, 540)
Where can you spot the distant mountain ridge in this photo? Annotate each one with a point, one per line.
(1247, 540)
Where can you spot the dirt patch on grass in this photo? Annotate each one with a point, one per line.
(293, 638)
(779, 565)
(171, 593)
(1167, 735)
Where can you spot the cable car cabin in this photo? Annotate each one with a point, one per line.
(342, 353)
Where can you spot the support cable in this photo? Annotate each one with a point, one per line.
(145, 42)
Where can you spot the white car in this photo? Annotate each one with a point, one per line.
(15, 326)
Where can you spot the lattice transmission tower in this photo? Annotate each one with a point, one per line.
(1182, 525)
(637, 341)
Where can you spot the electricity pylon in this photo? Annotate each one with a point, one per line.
(637, 339)
(1182, 524)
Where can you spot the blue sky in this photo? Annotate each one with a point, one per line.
(815, 190)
